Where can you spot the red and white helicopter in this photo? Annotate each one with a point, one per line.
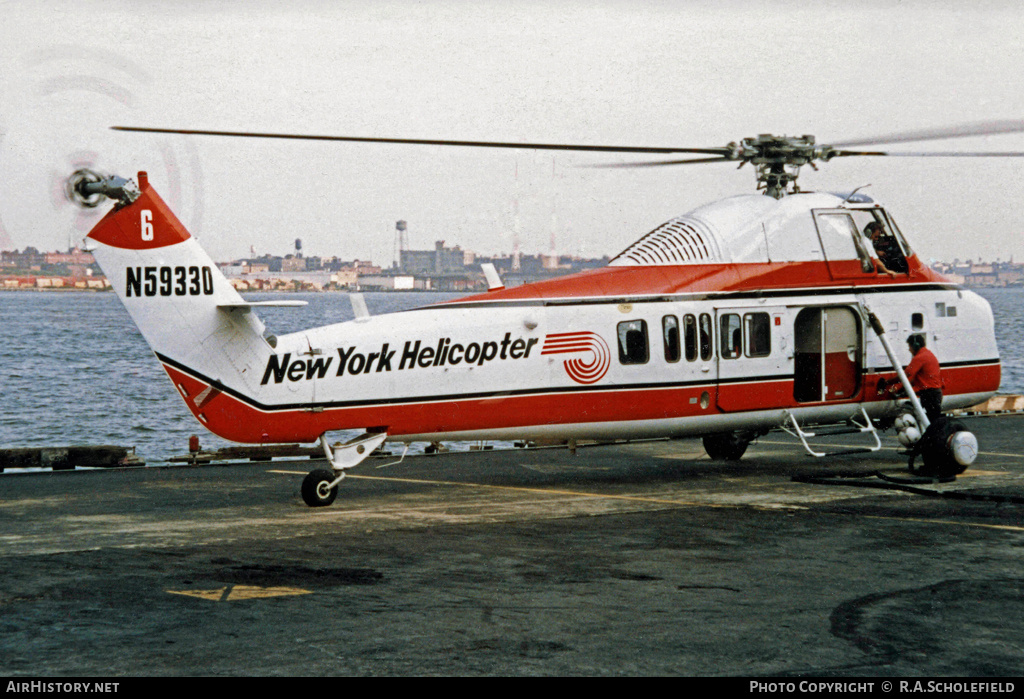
(745, 315)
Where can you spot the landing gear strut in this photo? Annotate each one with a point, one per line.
(320, 487)
(947, 447)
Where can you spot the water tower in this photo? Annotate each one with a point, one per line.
(401, 241)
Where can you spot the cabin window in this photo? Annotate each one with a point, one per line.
(757, 329)
(730, 333)
(707, 342)
(917, 321)
(670, 328)
(690, 336)
(633, 342)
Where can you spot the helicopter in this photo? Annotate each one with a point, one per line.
(758, 312)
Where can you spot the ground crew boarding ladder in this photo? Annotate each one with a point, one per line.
(856, 424)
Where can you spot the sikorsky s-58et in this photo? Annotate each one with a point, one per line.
(742, 316)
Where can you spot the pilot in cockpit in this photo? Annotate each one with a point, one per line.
(891, 260)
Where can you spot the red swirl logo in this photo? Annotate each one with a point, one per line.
(579, 369)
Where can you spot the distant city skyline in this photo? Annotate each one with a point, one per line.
(658, 73)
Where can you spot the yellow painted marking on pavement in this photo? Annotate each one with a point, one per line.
(573, 493)
(1007, 527)
(658, 501)
(854, 446)
(212, 595)
(541, 491)
(546, 491)
(235, 593)
(240, 592)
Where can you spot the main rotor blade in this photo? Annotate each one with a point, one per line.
(935, 154)
(426, 142)
(983, 128)
(664, 162)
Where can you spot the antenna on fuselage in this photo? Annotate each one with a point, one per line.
(852, 194)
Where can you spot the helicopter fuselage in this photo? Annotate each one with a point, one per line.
(731, 318)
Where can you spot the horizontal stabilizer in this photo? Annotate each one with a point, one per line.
(494, 282)
(246, 305)
(359, 309)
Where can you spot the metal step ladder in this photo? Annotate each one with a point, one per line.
(853, 425)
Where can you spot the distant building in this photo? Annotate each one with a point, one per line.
(393, 282)
(440, 260)
(345, 277)
(1012, 276)
(982, 274)
(29, 258)
(74, 257)
(75, 263)
(441, 269)
(292, 263)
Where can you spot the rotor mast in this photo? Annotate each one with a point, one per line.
(777, 160)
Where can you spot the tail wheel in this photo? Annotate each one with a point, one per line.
(316, 490)
(725, 447)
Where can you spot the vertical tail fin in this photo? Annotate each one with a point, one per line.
(183, 306)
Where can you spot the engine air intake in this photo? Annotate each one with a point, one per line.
(681, 241)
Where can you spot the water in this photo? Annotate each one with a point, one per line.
(1008, 309)
(74, 369)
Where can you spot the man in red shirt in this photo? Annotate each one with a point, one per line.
(925, 379)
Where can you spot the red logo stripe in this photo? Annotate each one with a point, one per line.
(580, 370)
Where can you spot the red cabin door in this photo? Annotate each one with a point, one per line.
(827, 356)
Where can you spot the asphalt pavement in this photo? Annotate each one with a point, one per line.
(635, 559)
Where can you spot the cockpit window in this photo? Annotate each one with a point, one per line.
(863, 234)
(884, 243)
(895, 230)
(838, 236)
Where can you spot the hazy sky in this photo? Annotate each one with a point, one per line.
(692, 74)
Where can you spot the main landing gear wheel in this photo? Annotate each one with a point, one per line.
(725, 447)
(948, 449)
(316, 490)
